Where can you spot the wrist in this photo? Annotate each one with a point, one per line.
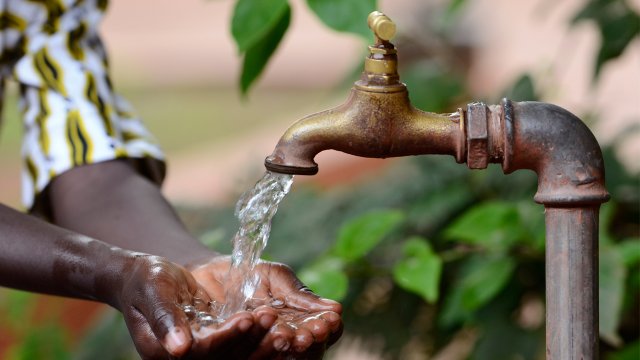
(111, 274)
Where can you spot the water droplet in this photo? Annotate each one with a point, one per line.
(199, 303)
(277, 303)
(190, 311)
(215, 307)
(205, 319)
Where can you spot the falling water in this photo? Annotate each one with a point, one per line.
(255, 209)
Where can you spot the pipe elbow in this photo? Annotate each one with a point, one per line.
(559, 147)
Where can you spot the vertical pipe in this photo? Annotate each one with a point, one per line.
(571, 282)
(566, 156)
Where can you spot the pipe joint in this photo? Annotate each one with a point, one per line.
(540, 137)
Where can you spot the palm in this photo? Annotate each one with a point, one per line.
(301, 322)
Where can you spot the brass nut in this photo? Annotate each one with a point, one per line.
(477, 136)
(374, 66)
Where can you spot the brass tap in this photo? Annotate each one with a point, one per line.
(377, 120)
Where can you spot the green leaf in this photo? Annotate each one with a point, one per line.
(482, 279)
(522, 90)
(253, 20)
(612, 274)
(493, 225)
(618, 25)
(326, 278)
(258, 54)
(345, 15)
(433, 87)
(419, 270)
(452, 312)
(630, 251)
(359, 235)
(485, 281)
(616, 36)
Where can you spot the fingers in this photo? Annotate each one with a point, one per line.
(318, 329)
(300, 337)
(334, 321)
(285, 284)
(303, 339)
(265, 316)
(305, 299)
(224, 338)
(278, 340)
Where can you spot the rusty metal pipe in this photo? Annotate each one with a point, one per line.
(567, 159)
(571, 282)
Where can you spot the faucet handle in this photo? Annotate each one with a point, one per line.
(381, 66)
(382, 26)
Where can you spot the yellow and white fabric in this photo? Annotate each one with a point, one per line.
(72, 116)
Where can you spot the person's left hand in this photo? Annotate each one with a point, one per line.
(306, 324)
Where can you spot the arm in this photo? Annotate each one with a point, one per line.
(110, 201)
(36, 256)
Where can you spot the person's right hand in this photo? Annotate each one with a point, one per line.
(151, 294)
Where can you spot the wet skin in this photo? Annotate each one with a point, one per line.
(37, 256)
(305, 324)
(111, 202)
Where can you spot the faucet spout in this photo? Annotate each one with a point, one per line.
(369, 124)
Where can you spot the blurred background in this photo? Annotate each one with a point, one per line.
(478, 235)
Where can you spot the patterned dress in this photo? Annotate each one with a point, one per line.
(72, 116)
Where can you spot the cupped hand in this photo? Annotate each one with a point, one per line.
(152, 296)
(300, 324)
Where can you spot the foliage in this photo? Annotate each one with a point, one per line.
(258, 27)
(419, 270)
(618, 25)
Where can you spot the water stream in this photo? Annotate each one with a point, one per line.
(254, 209)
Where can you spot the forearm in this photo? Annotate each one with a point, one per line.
(40, 257)
(111, 202)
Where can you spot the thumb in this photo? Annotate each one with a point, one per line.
(170, 326)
